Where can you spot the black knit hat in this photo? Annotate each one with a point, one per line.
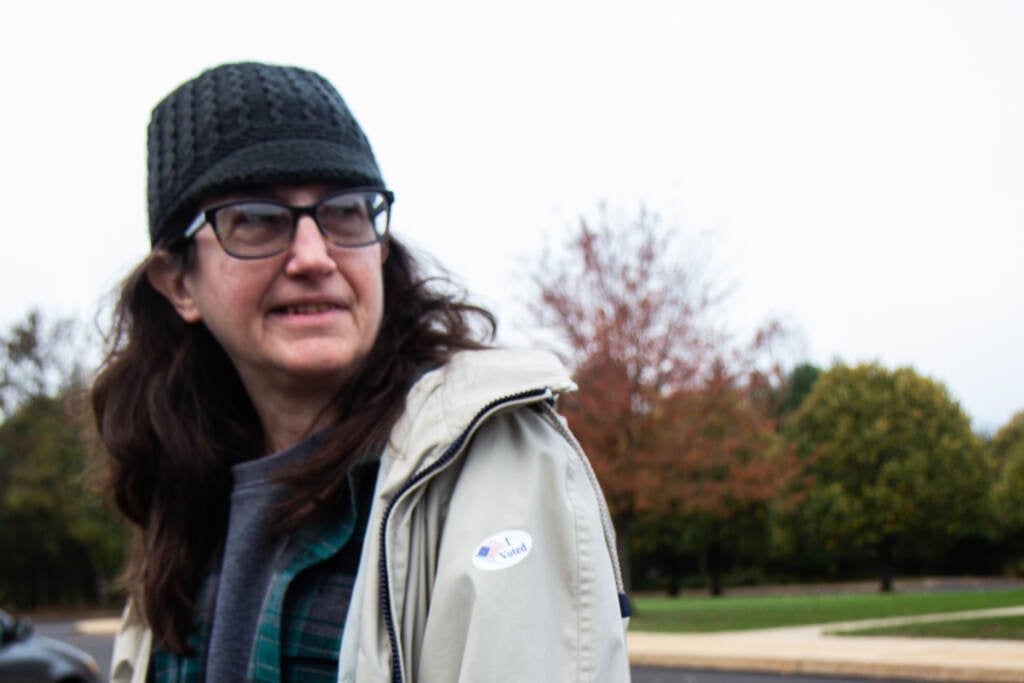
(243, 125)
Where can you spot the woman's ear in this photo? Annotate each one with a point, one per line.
(167, 276)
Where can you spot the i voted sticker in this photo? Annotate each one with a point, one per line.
(502, 550)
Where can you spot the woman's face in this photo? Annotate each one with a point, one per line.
(300, 320)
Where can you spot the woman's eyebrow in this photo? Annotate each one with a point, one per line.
(274, 193)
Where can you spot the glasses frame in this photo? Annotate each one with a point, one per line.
(208, 216)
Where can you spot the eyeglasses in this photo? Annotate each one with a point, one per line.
(260, 228)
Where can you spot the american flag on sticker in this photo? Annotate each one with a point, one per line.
(489, 549)
(502, 550)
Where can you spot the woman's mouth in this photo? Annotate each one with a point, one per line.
(307, 309)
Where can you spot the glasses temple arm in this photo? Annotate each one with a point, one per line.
(198, 222)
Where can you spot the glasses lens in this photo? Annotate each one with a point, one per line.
(354, 219)
(253, 229)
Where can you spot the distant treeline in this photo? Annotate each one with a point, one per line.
(719, 469)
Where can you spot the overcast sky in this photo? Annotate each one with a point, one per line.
(855, 168)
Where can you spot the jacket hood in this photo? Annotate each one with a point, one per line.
(443, 403)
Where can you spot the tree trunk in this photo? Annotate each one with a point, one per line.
(715, 567)
(673, 583)
(885, 563)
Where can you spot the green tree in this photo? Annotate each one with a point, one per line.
(797, 386)
(1007, 440)
(897, 472)
(59, 544)
(1007, 452)
(1008, 491)
(40, 357)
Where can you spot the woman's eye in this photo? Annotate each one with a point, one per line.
(342, 211)
(251, 222)
(259, 217)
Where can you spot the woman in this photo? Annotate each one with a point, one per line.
(331, 477)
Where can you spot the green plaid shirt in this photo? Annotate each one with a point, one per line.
(299, 632)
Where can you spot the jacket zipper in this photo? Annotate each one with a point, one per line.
(446, 458)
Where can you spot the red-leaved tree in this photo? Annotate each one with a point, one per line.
(676, 420)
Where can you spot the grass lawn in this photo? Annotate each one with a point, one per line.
(705, 614)
(1011, 628)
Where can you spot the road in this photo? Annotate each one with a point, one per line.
(99, 648)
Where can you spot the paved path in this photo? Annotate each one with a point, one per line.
(811, 650)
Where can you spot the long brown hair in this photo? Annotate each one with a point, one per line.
(174, 417)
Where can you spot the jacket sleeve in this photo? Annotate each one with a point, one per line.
(526, 587)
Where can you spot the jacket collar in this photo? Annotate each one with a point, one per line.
(444, 401)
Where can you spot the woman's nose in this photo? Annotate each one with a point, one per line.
(309, 250)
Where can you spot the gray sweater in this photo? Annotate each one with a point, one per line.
(249, 554)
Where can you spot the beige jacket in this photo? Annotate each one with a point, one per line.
(489, 553)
